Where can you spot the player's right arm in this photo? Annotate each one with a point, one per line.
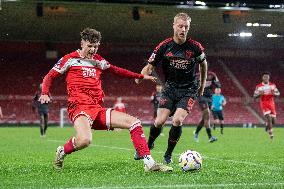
(59, 68)
(46, 84)
(147, 70)
(154, 59)
(257, 93)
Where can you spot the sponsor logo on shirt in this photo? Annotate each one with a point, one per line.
(179, 64)
(89, 72)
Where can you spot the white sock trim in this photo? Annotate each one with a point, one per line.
(135, 124)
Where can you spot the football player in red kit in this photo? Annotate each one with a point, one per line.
(83, 69)
(266, 90)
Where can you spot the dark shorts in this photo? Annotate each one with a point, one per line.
(174, 97)
(42, 109)
(204, 102)
(218, 115)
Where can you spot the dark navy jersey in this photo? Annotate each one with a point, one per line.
(178, 61)
(42, 108)
(211, 83)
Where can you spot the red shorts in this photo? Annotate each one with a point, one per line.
(99, 117)
(268, 108)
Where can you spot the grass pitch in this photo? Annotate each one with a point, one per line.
(241, 158)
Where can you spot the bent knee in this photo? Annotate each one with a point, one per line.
(177, 121)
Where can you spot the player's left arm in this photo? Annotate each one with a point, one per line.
(1, 113)
(276, 92)
(203, 68)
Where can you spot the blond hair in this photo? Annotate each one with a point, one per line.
(182, 16)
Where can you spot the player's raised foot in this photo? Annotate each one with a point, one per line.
(221, 131)
(195, 137)
(59, 158)
(168, 159)
(158, 167)
(212, 139)
(137, 156)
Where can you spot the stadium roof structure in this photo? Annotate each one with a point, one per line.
(141, 23)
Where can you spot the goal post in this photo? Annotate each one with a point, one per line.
(64, 120)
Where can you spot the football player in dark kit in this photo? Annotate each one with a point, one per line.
(205, 103)
(178, 57)
(42, 110)
(155, 99)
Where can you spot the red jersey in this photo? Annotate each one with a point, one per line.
(120, 107)
(83, 77)
(267, 92)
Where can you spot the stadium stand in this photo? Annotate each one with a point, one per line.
(29, 64)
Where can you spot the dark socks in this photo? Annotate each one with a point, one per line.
(154, 133)
(174, 135)
(208, 130)
(199, 127)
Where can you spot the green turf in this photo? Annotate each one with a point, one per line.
(241, 158)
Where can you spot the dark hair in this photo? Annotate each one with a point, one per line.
(265, 73)
(91, 35)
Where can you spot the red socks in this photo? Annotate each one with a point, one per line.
(69, 147)
(138, 139)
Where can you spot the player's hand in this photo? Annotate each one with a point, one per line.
(44, 99)
(148, 77)
(138, 81)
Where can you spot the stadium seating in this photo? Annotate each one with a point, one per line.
(29, 65)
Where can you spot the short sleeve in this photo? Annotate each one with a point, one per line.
(157, 54)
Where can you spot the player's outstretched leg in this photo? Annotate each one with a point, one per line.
(140, 144)
(154, 133)
(125, 121)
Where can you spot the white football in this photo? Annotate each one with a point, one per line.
(190, 160)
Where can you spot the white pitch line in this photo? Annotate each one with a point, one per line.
(205, 157)
(243, 185)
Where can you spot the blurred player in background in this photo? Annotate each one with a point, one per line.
(178, 57)
(155, 98)
(266, 90)
(1, 113)
(119, 105)
(83, 69)
(218, 101)
(42, 110)
(205, 103)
